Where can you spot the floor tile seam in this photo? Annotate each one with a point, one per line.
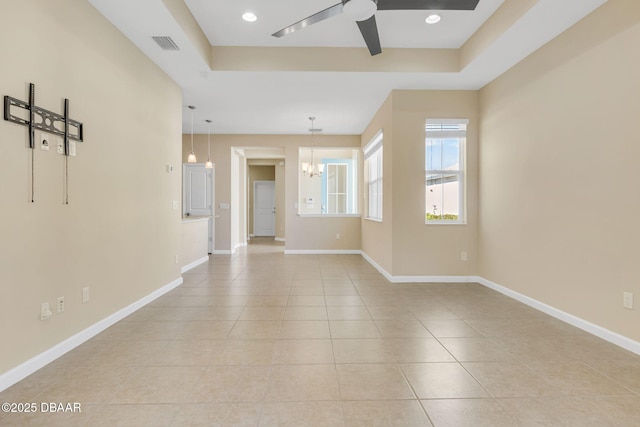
(594, 370)
(175, 415)
(544, 379)
(637, 393)
(235, 323)
(461, 364)
(415, 394)
(438, 339)
(37, 396)
(493, 399)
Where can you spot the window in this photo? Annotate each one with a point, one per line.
(444, 171)
(334, 192)
(373, 166)
(335, 195)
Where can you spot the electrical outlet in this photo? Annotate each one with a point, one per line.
(44, 141)
(177, 259)
(337, 236)
(463, 256)
(60, 305)
(45, 311)
(627, 300)
(85, 295)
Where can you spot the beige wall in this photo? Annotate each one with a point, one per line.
(301, 233)
(119, 234)
(430, 250)
(195, 241)
(418, 249)
(559, 177)
(377, 236)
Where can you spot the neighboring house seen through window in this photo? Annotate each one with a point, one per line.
(444, 171)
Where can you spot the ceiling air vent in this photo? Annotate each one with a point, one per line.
(165, 43)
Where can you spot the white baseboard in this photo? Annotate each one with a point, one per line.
(194, 264)
(417, 279)
(592, 328)
(599, 331)
(322, 252)
(280, 239)
(432, 279)
(20, 372)
(377, 266)
(229, 252)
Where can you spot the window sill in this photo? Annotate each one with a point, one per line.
(373, 220)
(445, 223)
(329, 215)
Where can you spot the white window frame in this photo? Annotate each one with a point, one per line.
(447, 130)
(373, 165)
(353, 171)
(332, 194)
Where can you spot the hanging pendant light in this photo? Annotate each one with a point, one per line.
(209, 164)
(310, 168)
(192, 155)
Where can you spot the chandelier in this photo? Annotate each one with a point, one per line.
(311, 168)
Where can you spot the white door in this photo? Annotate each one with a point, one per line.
(264, 208)
(197, 194)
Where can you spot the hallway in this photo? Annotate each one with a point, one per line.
(260, 338)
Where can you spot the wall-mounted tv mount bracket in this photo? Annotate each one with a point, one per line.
(45, 121)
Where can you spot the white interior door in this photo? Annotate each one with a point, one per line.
(264, 208)
(197, 194)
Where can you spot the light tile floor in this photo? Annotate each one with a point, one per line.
(264, 339)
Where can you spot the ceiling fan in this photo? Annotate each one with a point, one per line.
(363, 12)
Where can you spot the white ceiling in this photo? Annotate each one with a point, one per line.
(221, 21)
(280, 102)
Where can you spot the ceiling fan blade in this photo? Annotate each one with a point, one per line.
(334, 10)
(369, 31)
(427, 4)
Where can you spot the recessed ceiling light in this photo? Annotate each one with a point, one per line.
(249, 17)
(433, 19)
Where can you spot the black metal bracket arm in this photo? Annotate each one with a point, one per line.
(43, 119)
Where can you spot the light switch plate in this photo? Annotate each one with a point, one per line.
(627, 300)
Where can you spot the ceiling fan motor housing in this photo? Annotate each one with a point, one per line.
(363, 12)
(359, 10)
